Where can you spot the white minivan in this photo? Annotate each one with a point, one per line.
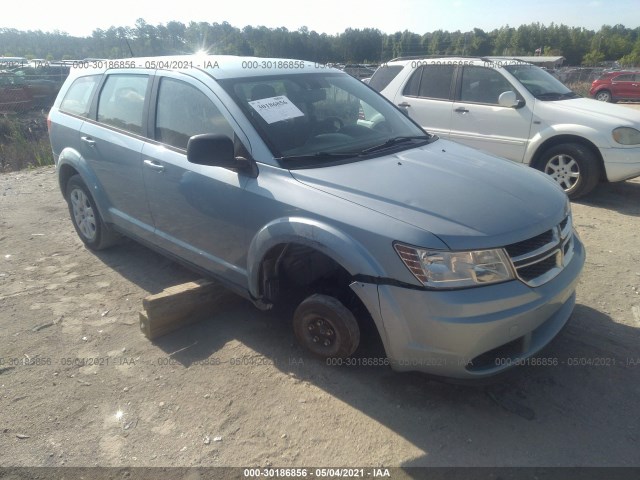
(518, 111)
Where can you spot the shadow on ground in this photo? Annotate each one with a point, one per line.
(569, 405)
(623, 197)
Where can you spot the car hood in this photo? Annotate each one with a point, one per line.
(587, 111)
(467, 198)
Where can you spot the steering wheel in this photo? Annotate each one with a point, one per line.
(382, 126)
(330, 125)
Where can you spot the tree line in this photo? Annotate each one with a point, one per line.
(578, 45)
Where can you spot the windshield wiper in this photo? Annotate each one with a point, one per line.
(342, 155)
(394, 141)
(319, 155)
(556, 95)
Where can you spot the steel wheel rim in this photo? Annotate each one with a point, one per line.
(83, 213)
(320, 334)
(564, 170)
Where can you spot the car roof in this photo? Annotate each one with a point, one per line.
(218, 66)
(435, 59)
(618, 72)
(457, 60)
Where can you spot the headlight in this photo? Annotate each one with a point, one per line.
(626, 136)
(444, 269)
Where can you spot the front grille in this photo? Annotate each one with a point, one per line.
(532, 244)
(539, 259)
(536, 270)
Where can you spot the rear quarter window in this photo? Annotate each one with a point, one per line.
(77, 100)
(383, 76)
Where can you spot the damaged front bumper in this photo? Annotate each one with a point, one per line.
(470, 333)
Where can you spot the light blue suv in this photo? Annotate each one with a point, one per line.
(265, 175)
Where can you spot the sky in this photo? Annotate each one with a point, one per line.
(80, 18)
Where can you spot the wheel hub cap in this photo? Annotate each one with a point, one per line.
(83, 214)
(564, 170)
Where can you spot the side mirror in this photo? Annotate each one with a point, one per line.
(218, 151)
(212, 150)
(508, 99)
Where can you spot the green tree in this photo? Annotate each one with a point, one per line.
(593, 58)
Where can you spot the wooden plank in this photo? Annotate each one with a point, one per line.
(182, 305)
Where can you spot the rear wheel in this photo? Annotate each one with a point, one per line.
(86, 218)
(325, 327)
(603, 96)
(573, 166)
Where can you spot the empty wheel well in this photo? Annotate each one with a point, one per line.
(560, 139)
(291, 267)
(291, 272)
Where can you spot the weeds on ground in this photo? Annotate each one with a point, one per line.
(24, 142)
(581, 88)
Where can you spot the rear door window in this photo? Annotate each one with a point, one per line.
(412, 87)
(624, 78)
(121, 102)
(431, 81)
(436, 81)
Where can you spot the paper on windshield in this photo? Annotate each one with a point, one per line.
(276, 109)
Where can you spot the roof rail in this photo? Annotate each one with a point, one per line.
(428, 57)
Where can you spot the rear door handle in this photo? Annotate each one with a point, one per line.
(461, 110)
(153, 165)
(89, 141)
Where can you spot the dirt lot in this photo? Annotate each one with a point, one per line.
(236, 391)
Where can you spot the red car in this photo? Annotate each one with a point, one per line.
(15, 95)
(614, 86)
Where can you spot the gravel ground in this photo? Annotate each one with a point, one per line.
(236, 390)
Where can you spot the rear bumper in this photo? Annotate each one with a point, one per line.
(478, 332)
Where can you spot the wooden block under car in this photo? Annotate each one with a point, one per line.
(182, 305)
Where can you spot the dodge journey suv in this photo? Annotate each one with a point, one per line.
(518, 111)
(262, 174)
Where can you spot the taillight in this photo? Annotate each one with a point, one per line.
(49, 122)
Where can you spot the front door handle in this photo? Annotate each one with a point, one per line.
(153, 165)
(404, 105)
(461, 110)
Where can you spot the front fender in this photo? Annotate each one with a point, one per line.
(342, 248)
(591, 135)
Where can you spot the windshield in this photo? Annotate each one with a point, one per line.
(541, 84)
(316, 118)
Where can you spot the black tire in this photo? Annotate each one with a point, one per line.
(603, 96)
(86, 218)
(573, 166)
(325, 327)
